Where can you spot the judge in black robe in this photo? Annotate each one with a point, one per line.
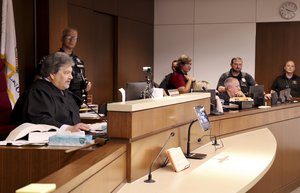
(48, 100)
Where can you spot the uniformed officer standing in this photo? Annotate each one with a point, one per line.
(79, 84)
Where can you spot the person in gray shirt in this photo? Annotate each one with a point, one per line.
(245, 79)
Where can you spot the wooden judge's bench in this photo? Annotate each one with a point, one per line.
(138, 129)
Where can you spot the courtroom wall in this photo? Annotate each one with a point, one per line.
(213, 32)
(115, 39)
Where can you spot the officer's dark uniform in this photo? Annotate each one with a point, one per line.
(282, 82)
(245, 79)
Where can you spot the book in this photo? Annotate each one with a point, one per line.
(40, 134)
(27, 128)
(177, 159)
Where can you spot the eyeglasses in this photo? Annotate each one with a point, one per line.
(71, 38)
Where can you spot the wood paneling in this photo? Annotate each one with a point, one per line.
(110, 177)
(42, 30)
(147, 130)
(285, 169)
(276, 43)
(135, 50)
(102, 170)
(23, 11)
(134, 125)
(139, 10)
(282, 120)
(95, 47)
(58, 21)
(116, 39)
(21, 166)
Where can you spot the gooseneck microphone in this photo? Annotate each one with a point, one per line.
(150, 180)
(213, 139)
(91, 108)
(188, 149)
(76, 98)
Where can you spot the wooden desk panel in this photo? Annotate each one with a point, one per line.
(137, 124)
(99, 171)
(234, 168)
(252, 118)
(283, 121)
(146, 131)
(131, 125)
(23, 165)
(284, 174)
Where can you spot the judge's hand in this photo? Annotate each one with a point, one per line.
(79, 127)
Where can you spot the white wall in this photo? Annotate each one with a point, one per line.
(211, 32)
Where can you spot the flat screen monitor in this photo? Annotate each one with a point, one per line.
(257, 93)
(202, 117)
(212, 98)
(134, 90)
(274, 98)
(285, 95)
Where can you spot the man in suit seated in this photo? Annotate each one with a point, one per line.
(48, 100)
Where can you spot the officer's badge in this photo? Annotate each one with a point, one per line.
(78, 60)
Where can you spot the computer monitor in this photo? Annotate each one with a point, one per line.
(274, 98)
(134, 90)
(213, 104)
(285, 95)
(257, 93)
(202, 117)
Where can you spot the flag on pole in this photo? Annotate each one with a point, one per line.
(9, 51)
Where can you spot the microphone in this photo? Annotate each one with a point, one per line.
(77, 98)
(213, 142)
(91, 108)
(150, 180)
(188, 150)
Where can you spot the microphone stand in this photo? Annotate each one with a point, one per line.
(88, 106)
(188, 151)
(91, 108)
(150, 180)
(147, 92)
